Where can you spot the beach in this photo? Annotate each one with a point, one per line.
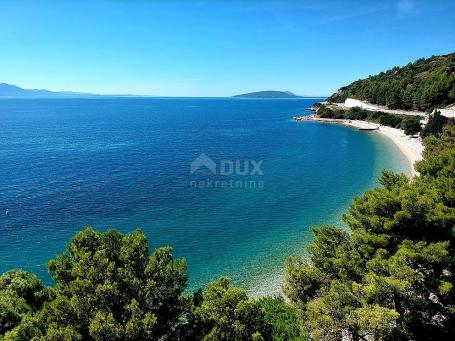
(410, 147)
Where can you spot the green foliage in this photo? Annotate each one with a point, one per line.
(390, 121)
(421, 85)
(389, 179)
(434, 125)
(325, 112)
(282, 318)
(228, 314)
(21, 294)
(390, 277)
(303, 281)
(28, 329)
(356, 113)
(411, 125)
(108, 287)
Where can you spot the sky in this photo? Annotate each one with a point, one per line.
(214, 48)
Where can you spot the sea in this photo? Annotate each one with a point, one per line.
(232, 185)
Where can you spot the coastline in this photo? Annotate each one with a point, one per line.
(411, 148)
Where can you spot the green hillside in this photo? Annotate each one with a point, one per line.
(421, 85)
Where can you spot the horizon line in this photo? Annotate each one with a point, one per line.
(75, 93)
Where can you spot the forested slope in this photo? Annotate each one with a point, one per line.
(421, 85)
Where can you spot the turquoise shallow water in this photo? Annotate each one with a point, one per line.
(126, 163)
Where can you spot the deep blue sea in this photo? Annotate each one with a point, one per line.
(127, 163)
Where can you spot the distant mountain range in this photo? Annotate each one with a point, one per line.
(8, 90)
(268, 94)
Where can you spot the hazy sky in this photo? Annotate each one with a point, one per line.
(214, 48)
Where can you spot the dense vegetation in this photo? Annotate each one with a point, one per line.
(410, 124)
(435, 124)
(422, 85)
(389, 276)
(108, 287)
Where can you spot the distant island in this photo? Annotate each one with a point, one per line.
(8, 90)
(268, 94)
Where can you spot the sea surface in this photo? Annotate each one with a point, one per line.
(233, 185)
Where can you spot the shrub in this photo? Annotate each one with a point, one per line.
(390, 120)
(411, 125)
